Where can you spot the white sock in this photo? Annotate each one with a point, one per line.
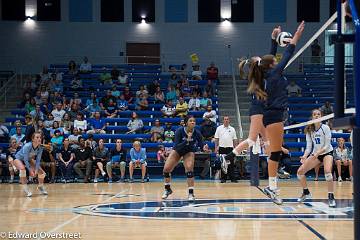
(235, 152)
(272, 183)
(25, 187)
(12, 177)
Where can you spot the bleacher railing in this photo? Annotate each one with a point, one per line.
(7, 89)
(237, 107)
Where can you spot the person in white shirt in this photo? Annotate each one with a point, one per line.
(196, 73)
(318, 150)
(293, 89)
(342, 158)
(210, 114)
(225, 142)
(168, 109)
(85, 67)
(80, 123)
(194, 103)
(58, 113)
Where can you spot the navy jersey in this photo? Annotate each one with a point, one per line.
(276, 83)
(181, 142)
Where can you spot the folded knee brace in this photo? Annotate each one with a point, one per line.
(328, 177)
(22, 173)
(300, 176)
(276, 156)
(190, 174)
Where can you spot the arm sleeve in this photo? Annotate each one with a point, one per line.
(177, 139)
(327, 138)
(199, 140)
(285, 58)
(273, 49)
(308, 145)
(38, 158)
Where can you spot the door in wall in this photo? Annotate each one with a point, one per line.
(143, 53)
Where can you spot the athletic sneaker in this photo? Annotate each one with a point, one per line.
(283, 174)
(42, 190)
(142, 180)
(121, 180)
(110, 180)
(28, 193)
(95, 180)
(191, 197)
(304, 197)
(131, 180)
(166, 193)
(339, 179)
(332, 202)
(351, 179)
(224, 164)
(273, 195)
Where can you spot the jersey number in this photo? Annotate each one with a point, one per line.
(317, 140)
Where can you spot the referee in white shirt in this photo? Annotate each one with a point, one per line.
(225, 141)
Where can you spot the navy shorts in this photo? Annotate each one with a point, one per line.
(321, 157)
(183, 151)
(273, 116)
(256, 107)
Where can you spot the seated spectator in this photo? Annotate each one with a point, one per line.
(66, 124)
(45, 133)
(80, 123)
(293, 89)
(105, 77)
(159, 96)
(212, 72)
(92, 98)
(97, 125)
(58, 86)
(137, 159)
(72, 68)
(185, 89)
(142, 91)
(178, 90)
(36, 113)
(153, 86)
(76, 100)
(128, 96)
(44, 92)
(196, 74)
(162, 154)
(92, 109)
(58, 112)
(74, 110)
(76, 83)
(74, 138)
(142, 102)
(45, 76)
(58, 98)
(111, 110)
(26, 100)
(49, 121)
(342, 158)
(46, 107)
(106, 99)
(4, 133)
(122, 103)
(327, 109)
(57, 140)
(123, 78)
(169, 134)
(208, 129)
(173, 79)
(18, 136)
(66, 161)
(91, 142)
(182, 123)
(114, 92)
(37, 97)
(194, 103)
(157, 132)
(196, 90)
(135, 124)
(48, 162)
(85, 67)
(210, 88)
(183, 69)
(171, 94)
(10, 155)
(101, 156)
(114, 73)
(30, 106)
(118, 159)
(168, 110)
(83, 156)
(205, 101)
(210, 114)
(181, 108)
(16, 124)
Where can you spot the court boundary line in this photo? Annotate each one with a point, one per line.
(311, 229)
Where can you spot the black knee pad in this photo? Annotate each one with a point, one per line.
(166, 174)
(276, 156)
(190, 174)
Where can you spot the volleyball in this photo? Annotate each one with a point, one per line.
(283, 39)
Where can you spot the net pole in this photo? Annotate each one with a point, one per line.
(339, 67)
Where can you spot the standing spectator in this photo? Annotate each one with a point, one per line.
(194, 103)
(80, 123)
(66, 161)
(225, 142)
(135, 124)
(327, 109)
(196, 74)
(58, 112)
(342, 158)
(97, 125)
(168, 110)
(293, 89)
(100, 156)
(315, 51)
(137, 159)
(212, 72)
(157, 132)
(210, 114)
(83, 159)
(205, 101)
(118, 159)
(181, 108)
(159, 96)
(85, 67)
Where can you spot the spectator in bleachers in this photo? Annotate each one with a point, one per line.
(162, 154)
(29, 88)
(128, 96)
(137, 159)
(111, 110)
(18, 136)
(205, 101)
(106, 99)
(49, 121)
(72, 68)
(207, 129)
(46, 107)
(182, 123)
(123, 105)
(66, 124)
(159, 96)
(37, 97)
(10, 155)
(194, 103)
(168, 110)
(26, 99)
(58, 112)
(45, 76)
(178, 90)
(210, 88)
(142, 91)
(203, 161)
(157, 132)
(48, 162)
(169, 134)
(66, 161)
(16, 124)
(142, 102)
(183, 69)
(97, 125)
(210, 114)
(85, 67)
(196, 90)
(74, 138)
(44, 92)
(74, 110)
(114, 73)
(41, 128)
(91, 142)
(114, 92)
(153, 86)
(181, 108)
(185, 89)
(212, 72)
(57, 140)
(83, 156)
(36, 113)
(80, 123)
(327, 109)
(4, 133)
(196, 74)
(92, 98)
(30, 106)
(171, 94)
(58, 86)
(118, 159)
(101, 156)
(135, 124)
(293, 89)
(76, 83)
(92, 109)
(173, 79)
(105, 77)
(342, 158)
(58, 98)
(123, 78)
(76, 100)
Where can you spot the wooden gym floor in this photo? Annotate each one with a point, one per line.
(135, 211)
